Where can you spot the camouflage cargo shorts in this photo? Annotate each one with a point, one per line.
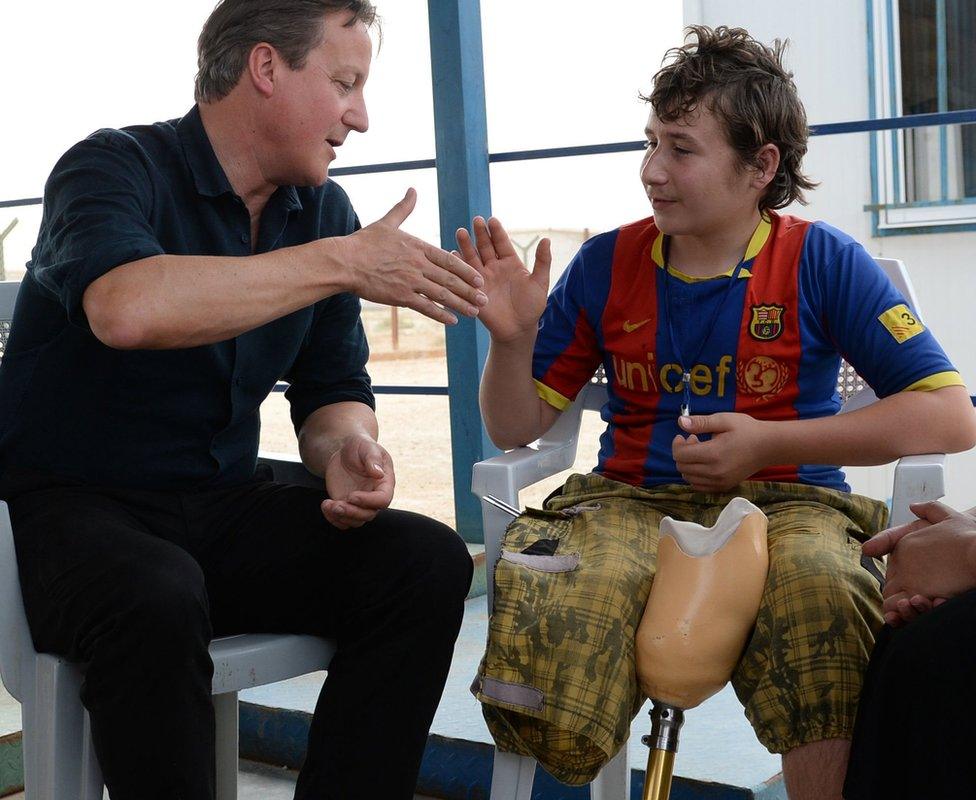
(558, 680)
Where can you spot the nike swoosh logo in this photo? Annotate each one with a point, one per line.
(630, 327)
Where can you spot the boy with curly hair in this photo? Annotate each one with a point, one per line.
(720, 324)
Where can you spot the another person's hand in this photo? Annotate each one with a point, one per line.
(930, 560)
(394, 268)
(359, 480)
(516, 297)
(732, 454)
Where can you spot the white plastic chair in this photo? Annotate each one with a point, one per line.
(59, 760)
(917, 479)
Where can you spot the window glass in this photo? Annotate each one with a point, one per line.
(938, 73)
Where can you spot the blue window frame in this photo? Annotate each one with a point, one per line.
(922, 61)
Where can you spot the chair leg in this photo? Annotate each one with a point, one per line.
(58, 760)
(613, 782)
(92, 785)
(512, 776)
(227, 746)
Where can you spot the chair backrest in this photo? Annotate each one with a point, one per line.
(15, 638)
(854, 392)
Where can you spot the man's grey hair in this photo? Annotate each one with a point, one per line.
(293, 27)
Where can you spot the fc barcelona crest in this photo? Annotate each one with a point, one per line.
(767, 322)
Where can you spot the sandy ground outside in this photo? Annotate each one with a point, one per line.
(415, 428)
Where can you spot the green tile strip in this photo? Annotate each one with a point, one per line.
(11, 764)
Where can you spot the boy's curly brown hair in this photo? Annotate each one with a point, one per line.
(743, 82)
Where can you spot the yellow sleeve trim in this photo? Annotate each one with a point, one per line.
(552, 397)
(937, 381)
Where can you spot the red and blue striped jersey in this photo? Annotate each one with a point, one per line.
(806, 296)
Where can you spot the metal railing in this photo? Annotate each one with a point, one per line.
(825, 129)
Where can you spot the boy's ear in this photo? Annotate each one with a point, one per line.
(766, 164)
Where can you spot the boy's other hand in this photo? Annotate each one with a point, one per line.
(516, 297)
(732, 454)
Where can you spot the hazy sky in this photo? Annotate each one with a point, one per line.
(558, 72)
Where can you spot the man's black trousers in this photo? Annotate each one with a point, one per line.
(913, 739)
(133, 585)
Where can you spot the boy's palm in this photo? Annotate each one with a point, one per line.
(516, 297)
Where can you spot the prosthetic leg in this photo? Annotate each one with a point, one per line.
(702, 606)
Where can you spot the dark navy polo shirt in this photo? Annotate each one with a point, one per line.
(163, 419)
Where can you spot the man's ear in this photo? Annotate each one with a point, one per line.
(262, 63)
(766, 164)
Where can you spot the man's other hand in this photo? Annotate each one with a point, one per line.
(394, 268)
(359, 480)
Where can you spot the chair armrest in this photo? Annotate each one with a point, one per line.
(503, 476)
(288, 468)
(918, 479)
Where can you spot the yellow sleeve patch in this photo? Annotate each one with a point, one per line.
(901, 323)
(552, 397)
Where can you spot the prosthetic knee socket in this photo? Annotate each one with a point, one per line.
(702, 606)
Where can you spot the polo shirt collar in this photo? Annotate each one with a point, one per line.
(209, 177)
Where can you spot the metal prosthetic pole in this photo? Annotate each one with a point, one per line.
(666, 723)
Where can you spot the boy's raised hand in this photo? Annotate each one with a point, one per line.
(516, 297)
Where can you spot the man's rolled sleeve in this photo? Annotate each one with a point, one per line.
(97, 208)
(331, 367)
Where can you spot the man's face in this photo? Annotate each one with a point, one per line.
(692, 176)
(314, 108)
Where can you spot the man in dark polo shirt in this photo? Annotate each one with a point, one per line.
(181, 269)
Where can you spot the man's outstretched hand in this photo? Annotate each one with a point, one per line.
(392, 267)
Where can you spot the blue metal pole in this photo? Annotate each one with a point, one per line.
(461, 132)
(895, 103)
(942, 72)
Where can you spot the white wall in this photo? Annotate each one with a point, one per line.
(828, 55)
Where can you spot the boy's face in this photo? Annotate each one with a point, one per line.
(693, 177)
